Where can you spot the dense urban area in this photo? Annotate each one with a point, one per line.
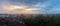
(29, 20)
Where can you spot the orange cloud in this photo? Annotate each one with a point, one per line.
(17, 9)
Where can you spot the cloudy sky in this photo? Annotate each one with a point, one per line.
(29, 6)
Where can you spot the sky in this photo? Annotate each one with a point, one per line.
(29, 6)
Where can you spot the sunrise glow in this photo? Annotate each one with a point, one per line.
(20, 9)
(29, 6)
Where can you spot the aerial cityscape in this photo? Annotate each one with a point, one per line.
(29, 12)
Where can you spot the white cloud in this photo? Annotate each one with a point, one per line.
(7, 7)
